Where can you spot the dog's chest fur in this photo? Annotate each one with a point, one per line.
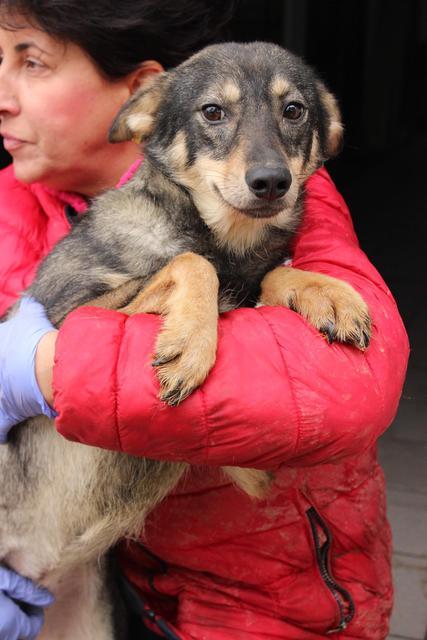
(240, 273)
(177, 227)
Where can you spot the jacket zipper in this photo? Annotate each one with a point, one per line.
(341, 596)
(141, 608)
(138, 605)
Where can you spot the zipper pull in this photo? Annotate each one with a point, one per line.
(341, 627)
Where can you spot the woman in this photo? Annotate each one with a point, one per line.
(314, 557)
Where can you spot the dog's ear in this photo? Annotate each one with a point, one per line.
(335, 129)
(135, 119)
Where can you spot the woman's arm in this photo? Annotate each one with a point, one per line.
(43, 367)
(278, 392)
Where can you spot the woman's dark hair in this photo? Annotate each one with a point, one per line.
(119, 34)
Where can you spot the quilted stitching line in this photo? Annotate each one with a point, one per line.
(291, 384)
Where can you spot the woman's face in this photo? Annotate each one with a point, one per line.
(55, 112)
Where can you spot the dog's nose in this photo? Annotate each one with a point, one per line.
(269, 183)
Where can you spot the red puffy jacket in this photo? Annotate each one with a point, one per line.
(315, 555)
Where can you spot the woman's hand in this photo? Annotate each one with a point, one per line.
(22, 370)
(21, 606)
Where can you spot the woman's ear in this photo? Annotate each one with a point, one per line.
(135, 119)
(143, 74)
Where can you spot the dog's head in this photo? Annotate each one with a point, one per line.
(241, 127)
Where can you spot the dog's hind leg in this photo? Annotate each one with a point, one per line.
(119, 296)
(83, 609)
(185, 293)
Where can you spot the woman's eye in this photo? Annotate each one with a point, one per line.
(294, 111)
(31, 64)
(213, 113)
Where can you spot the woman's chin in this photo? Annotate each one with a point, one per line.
(29, 172)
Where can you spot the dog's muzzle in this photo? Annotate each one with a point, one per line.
(269, 183)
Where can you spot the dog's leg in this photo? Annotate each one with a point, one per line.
(185, 292)
(332, 306)
(254, 482)
(117, 297)
(82, 609)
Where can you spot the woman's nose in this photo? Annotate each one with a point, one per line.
(9, 102)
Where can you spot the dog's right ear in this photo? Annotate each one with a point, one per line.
(135, 119)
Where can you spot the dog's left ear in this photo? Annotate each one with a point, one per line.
(135, 119)
(335, 129)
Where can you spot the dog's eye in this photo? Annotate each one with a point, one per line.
(213, 113)
(294, 111)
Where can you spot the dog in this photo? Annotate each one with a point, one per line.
(229, 139)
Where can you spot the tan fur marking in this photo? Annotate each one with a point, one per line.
(327, 303)
(296, 165)
(140, 125)
(315, 155)
(300, 171)
(231, 92)
(178, 152)
(279, 86)
(185, 292)
(235, 165)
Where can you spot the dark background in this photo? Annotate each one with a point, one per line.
(373, 55)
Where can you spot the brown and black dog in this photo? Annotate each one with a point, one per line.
(230, 137)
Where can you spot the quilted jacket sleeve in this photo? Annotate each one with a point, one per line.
(278, 392)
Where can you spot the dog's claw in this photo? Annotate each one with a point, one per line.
(363, 337)
(329, 332)
(366, 334)
(366, 339)
(174, 401)
(171, 397)
(291, 305)
(159, 360)
(175, 396)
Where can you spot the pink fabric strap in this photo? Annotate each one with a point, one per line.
(129, 173)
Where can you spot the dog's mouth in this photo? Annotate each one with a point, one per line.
(257, 209)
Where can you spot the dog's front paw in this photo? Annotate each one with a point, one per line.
(185, 353)
(337, 310)
(330, 305)
(344, 317)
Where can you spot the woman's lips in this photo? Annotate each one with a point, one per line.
(10, 143)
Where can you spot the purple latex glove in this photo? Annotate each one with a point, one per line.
(21, 606)
(20, 396)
